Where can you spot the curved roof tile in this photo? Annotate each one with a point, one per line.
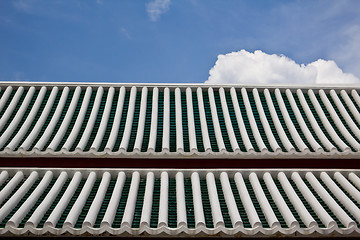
(154, 120)
(179, 202)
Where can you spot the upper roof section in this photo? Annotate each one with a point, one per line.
(126, 120)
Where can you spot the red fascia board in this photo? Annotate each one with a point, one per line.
(178, 163)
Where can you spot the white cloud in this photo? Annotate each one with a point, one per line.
(125, 32)
(347, 53)
(24, 6)
(260, 68)
(156, 8)
(100, 2)
(49, 9)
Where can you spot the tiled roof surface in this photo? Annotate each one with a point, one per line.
(180, 202)
(165, 121)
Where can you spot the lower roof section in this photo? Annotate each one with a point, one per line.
(180, 203)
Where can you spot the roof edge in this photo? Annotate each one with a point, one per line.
(181, 85)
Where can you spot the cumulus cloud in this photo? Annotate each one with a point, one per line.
(156, 8)
(244, 67)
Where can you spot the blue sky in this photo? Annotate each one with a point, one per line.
(166, 41)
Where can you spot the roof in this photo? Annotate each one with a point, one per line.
(155, 202)
(139, 120)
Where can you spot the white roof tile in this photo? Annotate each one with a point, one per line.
(157, 202)
(174, 121)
